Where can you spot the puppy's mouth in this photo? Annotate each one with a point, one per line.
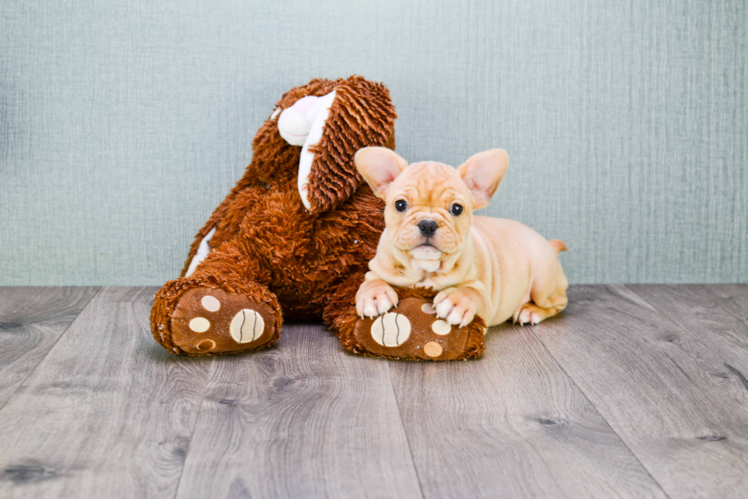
(426, 252)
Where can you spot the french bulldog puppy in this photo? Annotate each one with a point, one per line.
(495, 268)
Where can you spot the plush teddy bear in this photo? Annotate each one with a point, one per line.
(292, 240)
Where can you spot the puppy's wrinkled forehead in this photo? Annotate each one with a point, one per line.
(428, 182)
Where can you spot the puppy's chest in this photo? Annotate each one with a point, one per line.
(432, 280)
(425, 278)
(427, 281)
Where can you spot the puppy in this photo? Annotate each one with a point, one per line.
(495, 268)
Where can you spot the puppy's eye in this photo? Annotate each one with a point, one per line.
(455, 209)
(401, 205)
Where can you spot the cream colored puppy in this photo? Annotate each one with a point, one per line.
(495, 268)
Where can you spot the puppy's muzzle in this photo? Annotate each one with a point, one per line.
(428, 227)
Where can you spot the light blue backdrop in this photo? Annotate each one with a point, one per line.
(123, 124)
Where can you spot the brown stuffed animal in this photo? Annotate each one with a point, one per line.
(293, 238)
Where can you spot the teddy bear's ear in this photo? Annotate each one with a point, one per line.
(359, 114)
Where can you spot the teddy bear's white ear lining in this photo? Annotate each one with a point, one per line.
(302, 125)
(202, 251)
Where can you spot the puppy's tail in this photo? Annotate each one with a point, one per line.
(558, 245)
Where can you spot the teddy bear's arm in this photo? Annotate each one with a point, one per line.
(224, 224)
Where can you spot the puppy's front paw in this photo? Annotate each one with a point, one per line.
(455, 306)
(375, 297)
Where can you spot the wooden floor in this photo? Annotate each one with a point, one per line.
(635, 391)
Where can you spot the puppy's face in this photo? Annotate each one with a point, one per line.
(428, 211)
(429, 204)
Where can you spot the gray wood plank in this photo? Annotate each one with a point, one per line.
(304, 420)
(107, 413)
(511, 424)
(664, 389)
(717, 314)
(32, 319)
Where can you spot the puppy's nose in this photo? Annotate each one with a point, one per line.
(428, 227)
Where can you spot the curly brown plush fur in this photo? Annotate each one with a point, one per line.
(272, 257)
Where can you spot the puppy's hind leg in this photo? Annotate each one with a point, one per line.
(545, 303)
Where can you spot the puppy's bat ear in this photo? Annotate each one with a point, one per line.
(482, 174)
(379, 167)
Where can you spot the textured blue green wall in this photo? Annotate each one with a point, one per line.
(123, 124)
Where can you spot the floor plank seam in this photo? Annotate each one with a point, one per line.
(194, 426)
(623, 441)
(659, 313)
(405, 430)
(688, 331)
(96, 294)
(675, 321)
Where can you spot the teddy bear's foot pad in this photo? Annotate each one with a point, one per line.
(412, 331)
(213, 321)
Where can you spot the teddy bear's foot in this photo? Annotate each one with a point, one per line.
(412, 331)
(213, 321)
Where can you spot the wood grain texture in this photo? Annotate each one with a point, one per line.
(31, 321)
(511, 424)
(651, 392)
(716, 314)
(665, 389)
(108, 413)
(303, 420)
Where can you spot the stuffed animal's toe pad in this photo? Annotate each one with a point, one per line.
(412, 331)
(390, 330)
(212, 321)
(247, 326)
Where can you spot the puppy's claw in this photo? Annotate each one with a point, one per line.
(455, 317)
(375, 298)
(392, 296)
(515, 317)
(444, 308)
(370, 309)
(467, 319)
(528, 317)
(383, 304)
